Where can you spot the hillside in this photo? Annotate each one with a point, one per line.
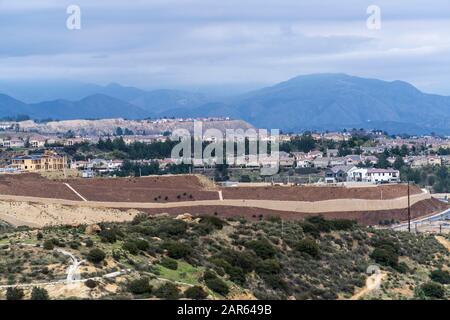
(207, 257)
(336, 101)
(311, 102)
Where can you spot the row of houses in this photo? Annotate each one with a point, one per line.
(354, 174)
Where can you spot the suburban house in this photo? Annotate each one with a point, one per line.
(285, 159)
(382, 175)
(37, 142)
(337, 174)
(352, 160)
(48, 161)
(321, 162)
(332, 152)
(303, 163)
(13, 143)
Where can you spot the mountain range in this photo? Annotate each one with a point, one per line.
(309, 102)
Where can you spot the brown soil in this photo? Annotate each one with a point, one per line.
(419, 209)
(34, 185)
(146, 189)
(302, 193)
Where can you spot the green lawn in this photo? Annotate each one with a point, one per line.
(185, 273)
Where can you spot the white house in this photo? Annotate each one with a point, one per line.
(383, 175)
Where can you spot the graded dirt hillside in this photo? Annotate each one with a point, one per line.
(108, 126)
(318, 193)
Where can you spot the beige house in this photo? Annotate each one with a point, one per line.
(42, 162)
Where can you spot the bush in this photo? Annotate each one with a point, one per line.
(169, 263)
(177, 250)
(90, 283)
(142, 244)
(39, 294)
(89, 243)
(140, 286)
(218, 285)
(131, 247)
(39, 235)
(269, 266)
(433, 290)
(48, 245)
(14, 294)
(108, 235)
(263, 248)
(96, 255)
(385, 257)
(213, 221)
(195, 293)
(215, 283)
(440, 276)
(168, 291)
(308, 246)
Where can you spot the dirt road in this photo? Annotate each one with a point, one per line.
(372, 283)
(443, 241)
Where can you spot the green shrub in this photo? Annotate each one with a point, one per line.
(39, 294)
(308, 246)
(263, 248)
(440, 276)
(108, 235)
(131, 247)
(48, 245)
(89, 243)
(142, 245)
(195, 293)
(269, 266)
(217, 285)
(90, 283)
(14, 294)
(140, 286)
(177, 250)
(169, 263)
(168, 291)
(433, 290)
(385, 257)
(96, 255)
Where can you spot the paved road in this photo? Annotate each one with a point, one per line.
(443, 215)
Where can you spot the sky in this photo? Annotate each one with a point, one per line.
(236, 44)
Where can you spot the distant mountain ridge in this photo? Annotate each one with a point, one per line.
(309, 102)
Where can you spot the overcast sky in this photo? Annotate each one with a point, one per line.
(236, 43)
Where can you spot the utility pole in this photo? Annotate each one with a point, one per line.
(409, 210)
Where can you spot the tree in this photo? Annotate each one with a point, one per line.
(14, 294)
(440, 276)
(433, 290)
(168, 291)
(96, 255)
(398, 163)
(216, 284)
(90, 283)
(48, 244)
(140, 286)
(308, 246)
(195, 293)
(39, 294)
(119, 132)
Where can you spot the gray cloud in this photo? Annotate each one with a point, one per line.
(181, 43)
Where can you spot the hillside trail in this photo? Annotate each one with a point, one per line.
(443, 241)
(373, 282)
